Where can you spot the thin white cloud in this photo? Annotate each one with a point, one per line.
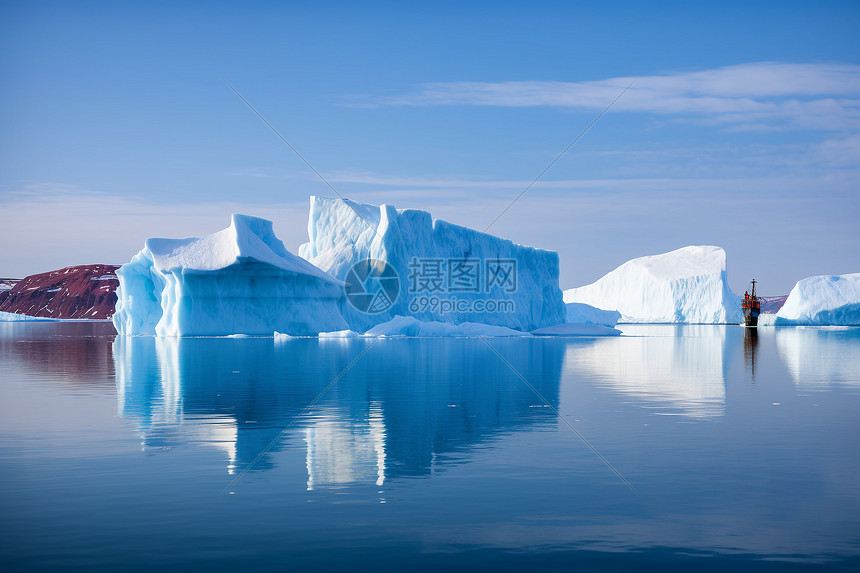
(805, 224)
(760, 95)
(396, 186)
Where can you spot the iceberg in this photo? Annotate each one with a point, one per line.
(579, 313)
(766, 320)
(688, 285)
(241, 280)
(429, 269)
(823, 301)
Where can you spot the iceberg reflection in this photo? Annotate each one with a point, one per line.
(820, 357)
(339, 453)
(75, 354)
(678, 368)
(395, 413)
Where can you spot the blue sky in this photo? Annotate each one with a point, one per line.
(742, 128)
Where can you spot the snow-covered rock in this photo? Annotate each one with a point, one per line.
(688, 285)
(241, 280)
(430, 257)
(579, 313)
(823, 300)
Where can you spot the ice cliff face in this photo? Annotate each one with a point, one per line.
(455, 267)
(240, 280)
(688, 285)
(823, 300)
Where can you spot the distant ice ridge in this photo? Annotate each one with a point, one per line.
(342, 233)
(241, 280)
(823, 301)
(15, 317)
(688, 285)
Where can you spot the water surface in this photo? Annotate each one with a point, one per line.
(672, 447)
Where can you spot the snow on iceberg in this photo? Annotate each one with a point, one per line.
(688, 285)
(823, 301)
(241, 280)
(446, 273)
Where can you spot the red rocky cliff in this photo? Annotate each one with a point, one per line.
(86, 291)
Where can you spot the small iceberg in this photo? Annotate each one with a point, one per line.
(826, 300)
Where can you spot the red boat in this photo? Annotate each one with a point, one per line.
(751, 307)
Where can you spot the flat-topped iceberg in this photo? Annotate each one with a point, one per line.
(823, 300)
(241, 280)
(688, 285)
(432, 270)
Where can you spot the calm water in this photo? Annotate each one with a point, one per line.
(716, 452)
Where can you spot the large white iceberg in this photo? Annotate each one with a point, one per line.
(437, 271)
(688, 285)
(823, 300)
(241, 280)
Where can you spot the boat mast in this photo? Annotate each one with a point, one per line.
(752, 295)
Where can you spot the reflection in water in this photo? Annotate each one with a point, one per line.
(681, 367)
(391, 416)
(775, 480)
(149, 391)
(750, 344)
(819, 357)
(76, 354)
(339, 453)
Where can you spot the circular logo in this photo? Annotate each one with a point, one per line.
(372, 286)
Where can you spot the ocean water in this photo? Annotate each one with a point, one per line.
(670, 448)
